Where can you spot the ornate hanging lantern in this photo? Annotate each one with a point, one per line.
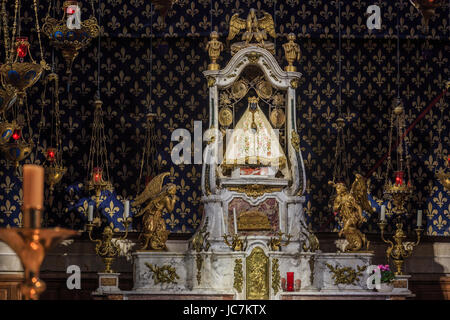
(400, 189)
(18, 74)
(18, 148)
(54, 169)
(98, 172)
(70, 34)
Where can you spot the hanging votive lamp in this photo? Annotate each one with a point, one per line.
(70, 39)
(22, 45)
(97, 175)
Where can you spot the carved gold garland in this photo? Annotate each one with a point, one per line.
(163, 274)
(346, 275)
(276, 276)
(238, 275)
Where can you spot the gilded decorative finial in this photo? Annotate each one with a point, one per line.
(292, 52)
(214, 48)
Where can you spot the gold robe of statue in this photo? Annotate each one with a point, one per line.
(349, 205)
(158, 199)
(254, 142)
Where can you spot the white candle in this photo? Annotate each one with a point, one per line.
(383, 213)
(91, 213)
(126, 209)
(235, 220)
(419, 218)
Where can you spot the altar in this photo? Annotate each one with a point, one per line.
(253, 241)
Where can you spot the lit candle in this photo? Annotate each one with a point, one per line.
(33, 187)
(383, 213)
(290, 281)
(419, 218)
(126, 209)
(91, 213)
(235, 220)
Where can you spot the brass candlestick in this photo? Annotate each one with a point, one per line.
(31, 244)
(106, 248)
(399, 249)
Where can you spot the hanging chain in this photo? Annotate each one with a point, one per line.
(16, 8)
(38, 29)
(389, 159)
(340, 61)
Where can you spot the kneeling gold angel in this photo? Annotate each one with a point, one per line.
(158, 199)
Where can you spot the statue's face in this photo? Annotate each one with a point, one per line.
(172, 190)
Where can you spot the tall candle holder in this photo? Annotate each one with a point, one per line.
(105, 247)
(399, 249)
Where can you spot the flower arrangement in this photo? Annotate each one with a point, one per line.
(386, 274)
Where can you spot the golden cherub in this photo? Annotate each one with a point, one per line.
(350, 205)
(158, 199)
(255, 28)
(292, 52)
(214, 48)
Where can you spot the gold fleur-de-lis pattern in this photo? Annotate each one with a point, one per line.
(171, 82)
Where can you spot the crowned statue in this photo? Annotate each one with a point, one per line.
(254, 147)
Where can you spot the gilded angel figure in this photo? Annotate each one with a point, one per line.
(349, 205)
(157, 199)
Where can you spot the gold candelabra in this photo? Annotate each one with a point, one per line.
(399, 249)
(106, 248)
(275, 242)
(237, 243)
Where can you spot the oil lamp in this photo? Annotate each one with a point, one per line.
(67, 38)
(98, 173)
(399, 191)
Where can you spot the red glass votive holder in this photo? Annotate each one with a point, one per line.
(290, 281)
